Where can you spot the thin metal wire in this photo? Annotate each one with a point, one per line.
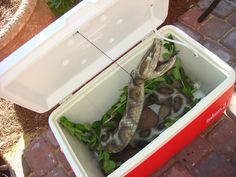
(151, 9)
(104, 53)
(160, 36)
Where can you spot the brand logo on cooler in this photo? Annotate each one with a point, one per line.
(213, 115)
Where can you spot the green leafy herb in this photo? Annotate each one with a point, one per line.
(148, 91)
(100, 155)
(106, 156)
(169, 122)
(168, 79)
(123, 97)
(87, 134)
(186, 109)
(109, 166)
(83, 127)
(195, 101)
(170, 46)
(110, 125)
(121, 109)
(96, 125)
(166, 56)
(59, 7)
(176, 70)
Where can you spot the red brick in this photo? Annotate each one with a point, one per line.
(229, 40)
(230, 114)
(224, 8)
(39, 157)
(215, 28)
(204, 3)
(219, 50)
(194, 152)
(213, 166)
(51, 138)
(177, 170)
(222, 137)
(57, 172)
(191, 16)
(205, 133)
(232, 19)
(63, 160)
(233, 2)
(233, 161)
(164, 168)
(194, 34)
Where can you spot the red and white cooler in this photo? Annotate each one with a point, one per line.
(49, 68)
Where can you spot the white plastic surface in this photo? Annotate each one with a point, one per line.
(93, 100)
(59, 60)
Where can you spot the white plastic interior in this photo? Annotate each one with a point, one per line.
(93, 100)
(60, 59)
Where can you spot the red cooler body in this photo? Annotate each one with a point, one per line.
(60, 60)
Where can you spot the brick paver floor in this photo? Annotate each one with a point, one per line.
(213, 153)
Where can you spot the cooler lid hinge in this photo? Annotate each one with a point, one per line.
(64, 100)
(147, 35)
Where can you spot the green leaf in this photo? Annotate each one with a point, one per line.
(167, 46)
(80, 127)
(99, 147)
(100, 155)
(176, 70)
(105, 118)
(68, 125)
(123, 98)
(170, 37)
(195, 101)
(186, 109)
(106, 155)
(187, 90)
(83, 127)
(93, 141)
(170, 46)
(96, 124)
(168, 79)
(169, 122)
(148, 91)
(87, 127)
(92, 138)
(109, 166)
(84, 139)
(176, 74)
(125, 89)
(121, 109)
(159, 79)
(166, 56)
(59, 7)
(110, 125)
(110, 110)
(178, 63)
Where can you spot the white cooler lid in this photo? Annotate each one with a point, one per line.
(57, 61)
